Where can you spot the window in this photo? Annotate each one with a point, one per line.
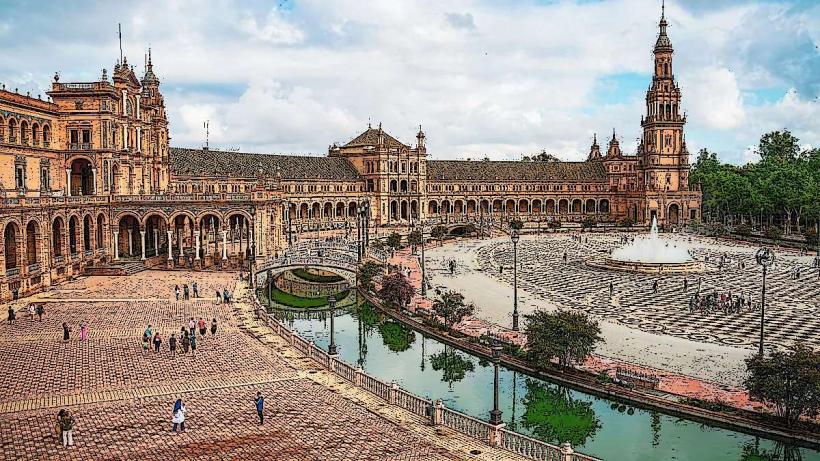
(75, 136)
(44, 179)
(86, 136)
(20, 177)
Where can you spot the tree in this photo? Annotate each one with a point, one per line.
(570, 336)
(588, 223)
(367, 272)
(396, 336)
(450, 306)
(788, 381)
(781, 145)
(542, 156)
(394, 240)
(396, 290)
(516, 224)
(438, 232)
(415, 238)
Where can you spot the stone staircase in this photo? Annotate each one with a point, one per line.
(116, 269)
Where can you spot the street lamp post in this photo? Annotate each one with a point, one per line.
(331, 348)
(765, 258)
(495, 414)
(514, 237)
(423, 276)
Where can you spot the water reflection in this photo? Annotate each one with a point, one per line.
(453, 365)
(551, 414)
(396, 336)
(780, 452)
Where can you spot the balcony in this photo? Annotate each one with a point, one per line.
(12, 272)
(33, 268)
(59, 259)
(89, 253)
(79, 146)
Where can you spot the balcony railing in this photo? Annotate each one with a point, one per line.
(33, 268)
(59, 259)
(79, 146)
(12, 271)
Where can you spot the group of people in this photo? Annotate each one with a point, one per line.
(186, 341)
(33, 309)
(726, 302)
(83, 331)
(221, 295)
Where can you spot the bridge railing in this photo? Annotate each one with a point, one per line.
(435, 412)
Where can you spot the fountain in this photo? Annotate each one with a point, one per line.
(650, 254)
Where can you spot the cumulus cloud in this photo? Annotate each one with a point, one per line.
(525, 76)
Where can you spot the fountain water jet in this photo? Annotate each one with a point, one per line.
(651, 254)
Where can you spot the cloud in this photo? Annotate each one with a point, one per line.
(526, 76)
(460, 20)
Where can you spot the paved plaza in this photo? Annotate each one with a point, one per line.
(655, 329)
(122, 398)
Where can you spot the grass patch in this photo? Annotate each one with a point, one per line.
(290, 300)
(316, 278)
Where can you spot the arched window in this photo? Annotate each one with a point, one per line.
(24, 133)
(46, 136)
(10, 241)
(12, 130)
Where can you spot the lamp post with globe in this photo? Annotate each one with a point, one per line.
(764, 258)
(515, 237)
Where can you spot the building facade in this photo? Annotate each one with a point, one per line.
(89, 180)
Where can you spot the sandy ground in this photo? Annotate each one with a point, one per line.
(493, 300)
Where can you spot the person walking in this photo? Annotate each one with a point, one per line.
(685, 284)
(12, 315)
(203, 327)
(147, 333)
(218, 297)
(186, 341)
(145, 345)
(213, 327)
(655, 287)
(157, 342)
(186, 295)
(611, 289)
(31, 312)
(40, 311)
(172, 345)
(83, 331)
(193, 345)
(67, 423)
(176, 291)
(58, 425)
(192, 326)
(195, 287)
(260, 406)
(66, 332)
(178, 418)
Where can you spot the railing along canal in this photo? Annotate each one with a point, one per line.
(434, 411)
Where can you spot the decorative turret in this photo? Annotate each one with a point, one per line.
(614, 149)
(595, 149)
(149, 79)
(420, 138)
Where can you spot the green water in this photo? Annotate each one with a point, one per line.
(596, 426)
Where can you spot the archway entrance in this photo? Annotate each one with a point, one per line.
(82, 177)
(129, 237)
(10, 241)
(674, 214)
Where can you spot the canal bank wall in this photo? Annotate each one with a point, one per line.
(740, 420)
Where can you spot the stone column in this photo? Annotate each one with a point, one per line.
(139, 138)
(196, 238)
(124, 101)
(116, 245)
(142, 243)
(170, 246)
(156, 242)
(125, 136)
(94, 181)
(130, 242)
(68, 182)
(180, 237)
(224, 245)
(138, 106)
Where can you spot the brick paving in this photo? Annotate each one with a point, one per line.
(122, 399)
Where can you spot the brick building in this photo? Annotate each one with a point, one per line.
(88, 179)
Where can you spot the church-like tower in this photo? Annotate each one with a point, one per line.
(662, 151)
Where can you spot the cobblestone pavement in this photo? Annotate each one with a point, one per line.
(122, 397)
(792, 306)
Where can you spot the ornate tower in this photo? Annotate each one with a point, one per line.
(662, 150)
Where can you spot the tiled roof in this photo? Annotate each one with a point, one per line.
(198, 162)
(370, 137)
(515, 170)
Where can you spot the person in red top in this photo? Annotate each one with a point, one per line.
(202, 327)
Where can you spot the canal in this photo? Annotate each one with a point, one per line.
(596, 426)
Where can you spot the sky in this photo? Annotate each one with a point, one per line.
(495, 78)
